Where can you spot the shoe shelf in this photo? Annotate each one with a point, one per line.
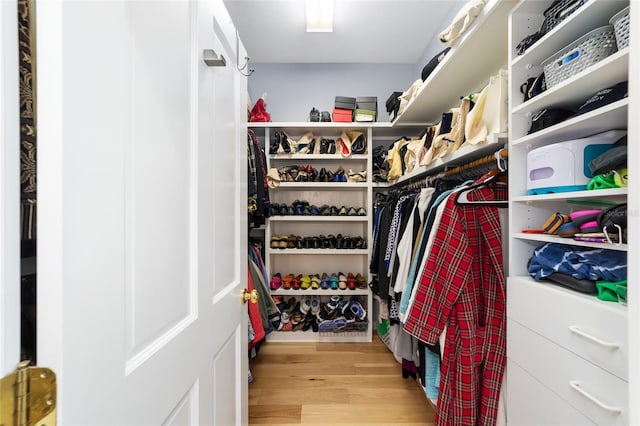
(320, 292)
(309, 336)
(595, 197)
(544, 238)
(295, 251)
(332, 157)
(316, 218)
(323, 185)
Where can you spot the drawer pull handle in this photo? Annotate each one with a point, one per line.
(575, 329)
(576, 386)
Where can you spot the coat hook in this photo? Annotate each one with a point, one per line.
(246, 59)
(211, 58)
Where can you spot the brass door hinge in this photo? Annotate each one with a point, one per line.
(28, 397)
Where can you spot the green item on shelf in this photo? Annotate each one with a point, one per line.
(382, 327)
(612, 291)
(602, 181)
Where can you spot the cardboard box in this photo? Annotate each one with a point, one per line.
(344, 102)
(367, 102)
(364, 115)
(342, 115)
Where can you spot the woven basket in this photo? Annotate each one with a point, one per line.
(588, 50)
(620, 22)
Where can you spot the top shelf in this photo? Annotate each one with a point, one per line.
(465, 69)
(593, 14)
(379, 128)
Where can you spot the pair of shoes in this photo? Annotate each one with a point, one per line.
(339, 175)
(327, 146)
(276, 282)
(332, 325)
(280, 143)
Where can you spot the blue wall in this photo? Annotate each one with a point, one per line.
(293, 89)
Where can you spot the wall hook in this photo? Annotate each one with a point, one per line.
(211, 58)
(246, 59)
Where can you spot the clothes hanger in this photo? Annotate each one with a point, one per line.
(495, 177)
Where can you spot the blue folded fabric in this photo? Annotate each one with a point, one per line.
(579, 262)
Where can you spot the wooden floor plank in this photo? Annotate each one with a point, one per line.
(333, 383)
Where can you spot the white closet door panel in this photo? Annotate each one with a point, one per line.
(530, 403)
(599, 395)
(585, 325)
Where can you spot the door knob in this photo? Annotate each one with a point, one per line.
(250, 296)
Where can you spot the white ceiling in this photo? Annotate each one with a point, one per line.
(365, 31)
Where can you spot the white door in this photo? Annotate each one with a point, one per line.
(142, 213)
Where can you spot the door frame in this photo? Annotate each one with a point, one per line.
(9, 190)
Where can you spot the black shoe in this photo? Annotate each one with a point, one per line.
(325, 116)
(314, 115)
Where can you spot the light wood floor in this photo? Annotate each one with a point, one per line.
(333, 383)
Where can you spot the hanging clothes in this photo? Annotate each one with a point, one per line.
(259, 205)
(462, 288)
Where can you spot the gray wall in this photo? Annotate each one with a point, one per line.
(293, 89)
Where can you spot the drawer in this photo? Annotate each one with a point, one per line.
(596, 393)
(529, 403)
(588, 327)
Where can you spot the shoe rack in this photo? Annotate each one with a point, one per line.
(580, 367)
(356, 195)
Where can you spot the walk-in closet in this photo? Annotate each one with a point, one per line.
(320, 212)
(474, 171)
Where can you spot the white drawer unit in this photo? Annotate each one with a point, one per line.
(533, 404)
(596, 393)
(561, 343)
(590, 328)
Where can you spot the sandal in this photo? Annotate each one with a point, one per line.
(360, 281)
(351, 281)
(342, 284)
(305, 282)
(315, 282)
(333, 281)
(325, 282)
(275, 242)
(287, 281)
(276, 282)
(297, 282)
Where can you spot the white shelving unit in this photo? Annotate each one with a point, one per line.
(465, 69)
(578, 372)
(318, 261)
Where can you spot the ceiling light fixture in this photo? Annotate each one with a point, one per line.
(319, 15)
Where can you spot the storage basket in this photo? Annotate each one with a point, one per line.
(558, 12)
(620, 22)
(588, 50)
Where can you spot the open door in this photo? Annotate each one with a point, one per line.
(142, 212)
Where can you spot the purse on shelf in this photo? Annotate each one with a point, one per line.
(533, 87)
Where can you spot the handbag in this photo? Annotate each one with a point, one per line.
(259, 112)
(548, 117)
(433, 63)
(490, 113)
(533, 87)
